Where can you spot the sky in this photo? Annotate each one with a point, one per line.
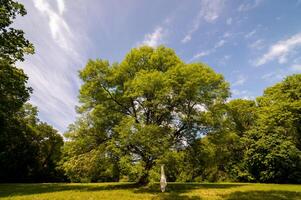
(253, 43)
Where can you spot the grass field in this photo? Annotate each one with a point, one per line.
(127, 191)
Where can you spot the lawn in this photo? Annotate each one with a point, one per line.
(127, 191)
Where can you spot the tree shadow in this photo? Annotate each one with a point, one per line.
(178, 191)
(174, 196)
(29, 189)
(173, 191)
(186, 187)
(266, 195)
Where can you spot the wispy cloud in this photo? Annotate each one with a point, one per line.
(217, 45)
(155, 38)
(241, 79)
(61, 6)
(243, 94)
(257, 45)
(274, 76)
(52, 70)
(280, 50)
(229, 21)
(209, 12)
(296, 67)
(211, 9)
(250, 34)
(60, 30)
(201, 54)
(249, 5)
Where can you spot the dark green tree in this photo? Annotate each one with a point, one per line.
(273, 153)
(13, 44)
(29, 150)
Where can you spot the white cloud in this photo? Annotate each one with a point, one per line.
(209, 12)
(257, 45)
(227, 35)
(229, 21)
(227, 57)
(186, 39)
(243, 94)
(53, 69)
(155, 38)
(60, 30)
(250, 34)
(241, 79)
(61, 6)
(296, 67)
(280, 50)
(201, 54)
(219, 44)
(274, 76)
(211, 9)
(249, 6)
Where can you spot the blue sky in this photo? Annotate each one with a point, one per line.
(253, 43)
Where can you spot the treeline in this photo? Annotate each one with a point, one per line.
(154, 109)
(150, 109)
(29, 149)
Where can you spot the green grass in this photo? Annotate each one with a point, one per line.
(127, 191)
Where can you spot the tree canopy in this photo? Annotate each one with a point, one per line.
(148, 104)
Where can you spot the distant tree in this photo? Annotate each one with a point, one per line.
(150, 103)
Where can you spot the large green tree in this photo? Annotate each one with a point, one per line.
(274, 151)
(150, 103)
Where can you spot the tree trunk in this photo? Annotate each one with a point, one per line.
(144, 178)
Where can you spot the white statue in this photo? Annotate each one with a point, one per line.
(163, 182)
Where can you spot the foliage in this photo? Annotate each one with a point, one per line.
(149, 104)
(13, 90)
(13, 44)
(273, 153)
(29, 149)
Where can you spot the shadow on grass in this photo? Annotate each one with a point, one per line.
(29, 189)
(174, 190)
(266, 195)
(174, 196)
(186, 187)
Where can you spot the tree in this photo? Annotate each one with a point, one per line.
(149, 104)
(13, 90)
(273, 144)
(13, 44)
(30, 150)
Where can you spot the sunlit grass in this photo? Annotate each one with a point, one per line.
(127, 191)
